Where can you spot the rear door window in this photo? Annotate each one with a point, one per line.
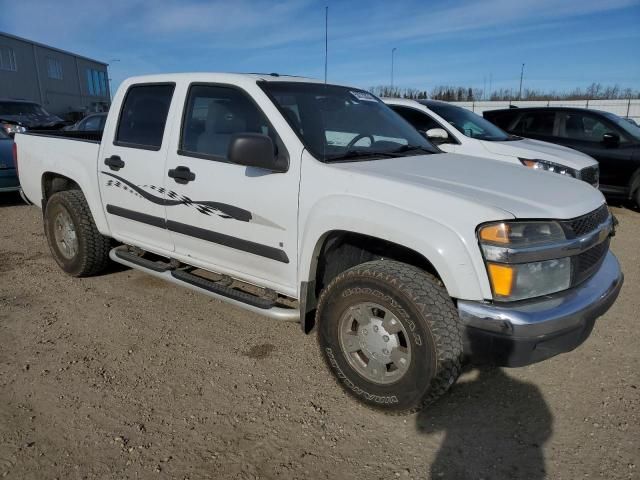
(143, 116)
(585, 127)
(537, 123)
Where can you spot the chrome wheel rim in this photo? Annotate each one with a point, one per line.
(375, 343)
(65, 235)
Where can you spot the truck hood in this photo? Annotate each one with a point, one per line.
(522, 192)
(537, 150)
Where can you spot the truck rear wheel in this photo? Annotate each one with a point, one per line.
(390, 334)
(74, 240)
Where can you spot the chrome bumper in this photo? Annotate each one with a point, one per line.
(532, 330)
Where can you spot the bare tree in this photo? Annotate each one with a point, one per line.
(450, 93)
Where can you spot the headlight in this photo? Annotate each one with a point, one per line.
(512, 280)
(548, 166)
(528, 280)
(12, 128)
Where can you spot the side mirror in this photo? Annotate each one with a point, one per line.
(611, 139)
(255, 150)
(437, 135)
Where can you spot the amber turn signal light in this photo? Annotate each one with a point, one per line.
(502, 279)
(498, 233)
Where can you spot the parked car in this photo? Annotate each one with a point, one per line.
(91, 123)
(19, 115)
(612, 141)
(8, 176)
(317, 203)
(456, 129)
(632, 121)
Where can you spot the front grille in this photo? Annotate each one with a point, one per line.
(587, 263)
(591, 175)
(586, 223)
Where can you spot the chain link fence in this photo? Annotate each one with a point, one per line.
(625, 107)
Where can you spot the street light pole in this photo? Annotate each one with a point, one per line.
(521, 74)
(113, 60)
(393, 50)
(326, 41)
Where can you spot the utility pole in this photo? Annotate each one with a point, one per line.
(326, 41)
(490, 79)
(393, 51)
(113, 60)
(521, 75)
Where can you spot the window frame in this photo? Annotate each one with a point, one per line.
(12, 57)
(57, 64)
(554, 128)
(452, 137)
(281, 147)
(140, 146)
(86, 120)
(599, 118)
(97, 83)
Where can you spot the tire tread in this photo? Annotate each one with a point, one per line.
(428, 294)
(95, 256)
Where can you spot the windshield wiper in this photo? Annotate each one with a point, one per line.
(353, 154)
(412, 148)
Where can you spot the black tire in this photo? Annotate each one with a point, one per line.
(92, 253)
(427, 313)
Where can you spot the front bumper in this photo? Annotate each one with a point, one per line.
(529, 331)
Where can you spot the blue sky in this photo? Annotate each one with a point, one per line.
(564, 44)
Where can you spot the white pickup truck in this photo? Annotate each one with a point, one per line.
(317, 203)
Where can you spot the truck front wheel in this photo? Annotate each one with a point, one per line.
(390, 334)
(74, 240)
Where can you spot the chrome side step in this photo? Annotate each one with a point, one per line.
(124, 254)
(224, 290)
(253, 303)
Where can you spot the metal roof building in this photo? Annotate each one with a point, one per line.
(62, 82)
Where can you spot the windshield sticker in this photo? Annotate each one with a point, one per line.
(363, 96)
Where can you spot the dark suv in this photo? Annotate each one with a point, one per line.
(608, 138)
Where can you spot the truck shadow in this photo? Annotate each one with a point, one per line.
(11, 199)
(494, 427)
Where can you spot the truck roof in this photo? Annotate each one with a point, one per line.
(219, 77)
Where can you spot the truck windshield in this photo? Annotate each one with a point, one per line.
(470, 124)
(345, 124)
(21, 108)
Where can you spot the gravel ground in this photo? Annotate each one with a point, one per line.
(124, 376)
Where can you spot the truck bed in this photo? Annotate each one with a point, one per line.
(86, 136)
(73, 155)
